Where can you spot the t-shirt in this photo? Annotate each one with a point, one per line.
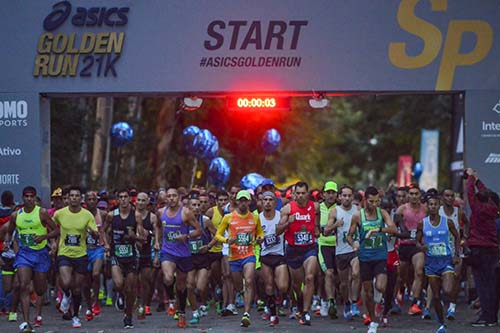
(72, 241)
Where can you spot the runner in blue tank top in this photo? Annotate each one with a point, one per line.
(434, 230)
(373, 224)
(175, 256)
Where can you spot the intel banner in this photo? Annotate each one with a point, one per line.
(20, 151)
(429, 157)
(482, 135)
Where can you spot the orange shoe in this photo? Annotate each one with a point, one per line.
(147, 310)
(414, 310)
(366, 319)
(171, 309)
(181, 323)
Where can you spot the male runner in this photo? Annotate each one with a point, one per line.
(243, 229)
(74, 222)
(148, 252)
(407, 218)
(121, 236)
(274, 270)
(372, 223)
(175, 256)
(34, 227)
(435, 232)
(300, 222)
(339, 221)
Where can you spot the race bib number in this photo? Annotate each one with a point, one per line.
(271, 240)
(354, 237)
(91, 240)
(437, 250)
(243, 239)
(413, 234)
(171, 237)
(194, 246)
(72, 240)
(303, 238)
(27, 239)
(123, 250)
(374, 242)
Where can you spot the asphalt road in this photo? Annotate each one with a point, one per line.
(111, 320)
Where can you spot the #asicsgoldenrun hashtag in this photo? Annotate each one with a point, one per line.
(203, 62)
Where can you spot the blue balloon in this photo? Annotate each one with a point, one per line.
(203, 141)
(251, 181)
(270, 141)
(219, 171)
(417, 170)
(213, 151)
(121, 133)
(188, 136)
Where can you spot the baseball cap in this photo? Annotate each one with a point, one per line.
(269, 194)
(57, 193)
(267, 181)
(102, 205)
(243, 194)
(330, 186)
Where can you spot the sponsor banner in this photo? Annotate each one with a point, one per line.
(405, 165)
(482, 135)
(457, 142)
(429, 157)
(248, 46)
(20, 142)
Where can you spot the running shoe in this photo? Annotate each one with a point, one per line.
(119, 303)
(76, 322)
(171, 309)
(196, 318)
(281, 312)
(414, 310)
(395, 309)
(239, 300)
(324, 309)
(96, 309)
(147, 310)
(25, 328)
(176, 315)
(372, 328)
(89, 315)
(67, 315)
(245, 320)
(347, 313)
(274, 320)
(332, 310)
(305, 319)
(451, 314)
(385, 321)
(354, 310)
(181, 323)
(294, 313)
(266, 316)
(100, 296)
(109, 301)
(231, 310)
(127, 322)
(66, 300)
(260, 305)
(140, 313)
(366, 319)
(38, 321)
(12, 316)
(426, 314)
(203, 310)
(441, 329)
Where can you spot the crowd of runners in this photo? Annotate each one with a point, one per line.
(333, 252)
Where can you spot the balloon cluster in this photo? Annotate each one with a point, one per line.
(202, 144)
(270, 141)
(251, 181)
(121, 133)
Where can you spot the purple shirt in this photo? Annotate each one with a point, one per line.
(173, 227)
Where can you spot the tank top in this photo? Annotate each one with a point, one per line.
(437, 238)
(375, 247)
(121, 248)
(28, 227)
(301, 231)
(173, 227)
(454, 218)
(204, 239)
(411, 219)
(272, 244)
(343, 246)
(324, 211)
(93, 242)
(148, 245)
(216, 220)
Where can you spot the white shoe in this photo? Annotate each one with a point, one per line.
(203, 310)
(373, 327)
(76, 322)
(232, 308)
(65, 303)
(323, 310)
